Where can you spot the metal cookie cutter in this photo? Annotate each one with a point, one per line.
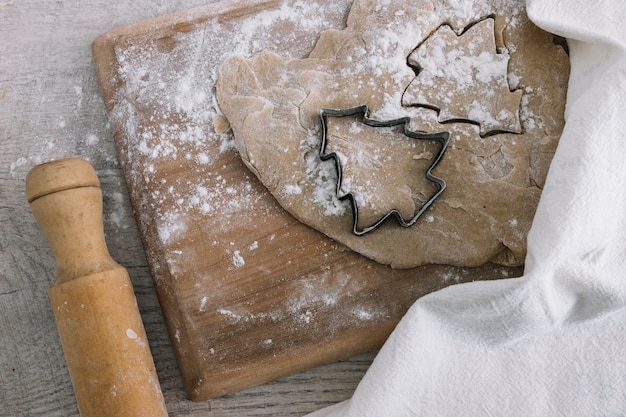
(442, 137)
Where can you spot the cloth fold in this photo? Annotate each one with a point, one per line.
(551, 343)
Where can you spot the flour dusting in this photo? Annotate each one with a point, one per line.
(167, 112)
(238, 260)
(176, 82)
(203, 302)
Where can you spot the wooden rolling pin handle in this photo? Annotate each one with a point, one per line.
(94, 305)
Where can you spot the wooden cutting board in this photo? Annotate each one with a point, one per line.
(249, 293)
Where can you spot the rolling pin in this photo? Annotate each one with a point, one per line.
(95, 308)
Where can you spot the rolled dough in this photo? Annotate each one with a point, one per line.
(478, 70)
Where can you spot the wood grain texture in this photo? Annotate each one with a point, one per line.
(249, 294)
(50, 108)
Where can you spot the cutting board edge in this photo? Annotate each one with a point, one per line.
(104, 57)
(348, 343)
(103, 46)
(273, 368)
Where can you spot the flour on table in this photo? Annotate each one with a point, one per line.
(238, 260)
(183, 130)
(202, 213)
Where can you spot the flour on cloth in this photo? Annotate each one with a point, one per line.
(550, 343)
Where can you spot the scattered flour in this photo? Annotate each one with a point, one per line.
(92, 139)
(181, 132)
(203, 302)
(363, 314)
(117, 213)
(238, 260)
(23, 163)
(292, 189)
(229, 314)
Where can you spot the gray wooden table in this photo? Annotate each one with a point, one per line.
(50, 108)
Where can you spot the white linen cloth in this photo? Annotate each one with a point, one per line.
(553, 342)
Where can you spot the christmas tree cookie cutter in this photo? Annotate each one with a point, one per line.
(442, 137)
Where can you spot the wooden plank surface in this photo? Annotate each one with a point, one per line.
(50, 107)
(249, 293)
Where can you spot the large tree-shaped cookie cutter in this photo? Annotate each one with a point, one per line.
(441, 137)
